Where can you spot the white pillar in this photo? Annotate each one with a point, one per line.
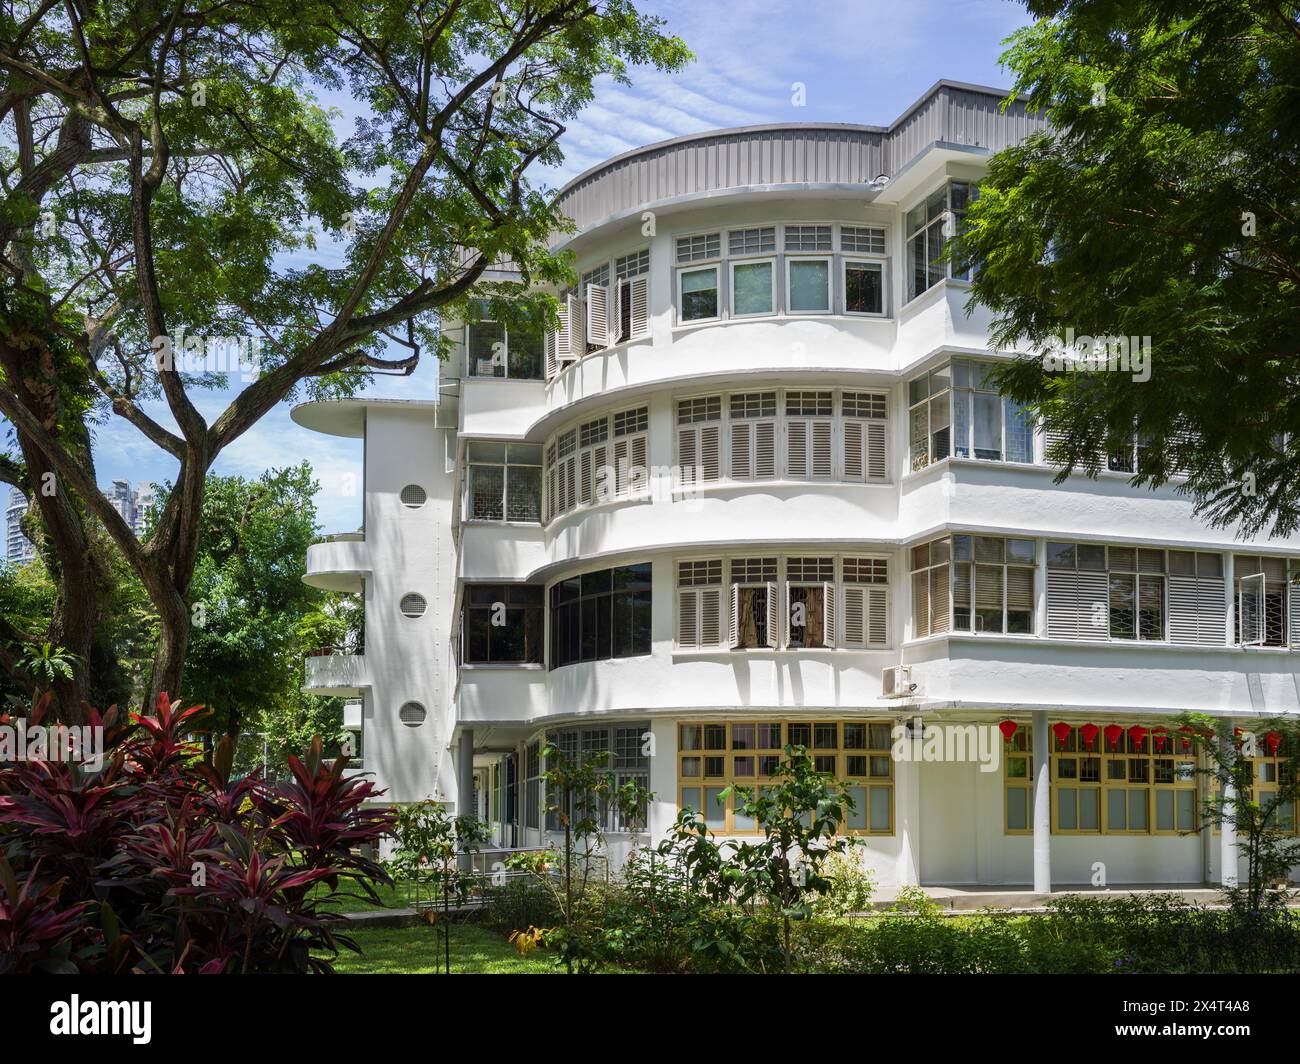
(465, 784)
(907, 795)
(1042, 807)
(1227, 827)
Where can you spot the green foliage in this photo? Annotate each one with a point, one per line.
(1165, 203)
(851, 886)
(430, 847)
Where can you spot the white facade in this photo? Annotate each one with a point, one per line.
(824, 539)
(18, 548)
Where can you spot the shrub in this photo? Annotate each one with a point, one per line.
(851, 886)
(520, 904)
(156, 861)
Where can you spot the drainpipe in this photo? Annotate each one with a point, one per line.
(465, 783)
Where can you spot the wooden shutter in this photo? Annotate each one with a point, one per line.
(710, 452)
(877, 464)
(585, 477)
(1293, 612)
(823, 463)
(640, 307)
(773, 616)
(796, 450)
(742, 436)
(688, 617)
(828, 615)
(855, 464)
(765, 450)
(733, 619)
(855, 616)
(597, 315)
(603, 488)
(688, 455)
(549, 346)
(710, 616)
(639, 472)
(878, 617)
(564, 334)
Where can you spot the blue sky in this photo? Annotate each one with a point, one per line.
(859, 60)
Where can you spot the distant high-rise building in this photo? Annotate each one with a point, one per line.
(143, 501)
(18, 548)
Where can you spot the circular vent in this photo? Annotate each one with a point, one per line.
(413, 605)
(412, 714)
(414, 496)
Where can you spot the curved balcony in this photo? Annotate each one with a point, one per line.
(341, 675)
(338, 562)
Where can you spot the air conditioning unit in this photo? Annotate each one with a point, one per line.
(897, 682)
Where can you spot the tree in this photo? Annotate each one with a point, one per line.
(430, 844)
(801, 813)
(159, 162)
(1163, 203)
(248, 598)
(1260, 811)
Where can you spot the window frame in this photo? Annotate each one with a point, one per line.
(793, 259)
(881, 266)
(758, 260)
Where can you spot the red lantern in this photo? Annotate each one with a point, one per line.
(1160, 736)
(1137, 733)
(1113, 732)
(1089, 733)
(1008, 729)
(1062, 732)
(1273, 740)
(1187, 730)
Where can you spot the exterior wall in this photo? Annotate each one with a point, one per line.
(948, 817)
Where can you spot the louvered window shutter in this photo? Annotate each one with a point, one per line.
(597, 315)
(1093, 605)
(688, 602)
(640, 471)
(828, 615)
(710, 452)
(741, 440)
(854, 450)
(640, 307)
(688, 455)
(877, 465)
(765, 450)
(585, 479)
(939, 613)
(564, 334)
(877, 617)
(1293, 612)
(855, 616)
(1062, 612)
(552, 362)
(710, 616)
(733, 618)
(604, 483)
(796, 450)
(1184, 610)
(773, 617)
(822, 450)
(570, 494)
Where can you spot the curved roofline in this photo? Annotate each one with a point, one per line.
(773, 127)
(346, 417)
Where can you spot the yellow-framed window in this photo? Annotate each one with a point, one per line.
(1124, 786)
(715, 755)
(1018, 783)
(1269, 774)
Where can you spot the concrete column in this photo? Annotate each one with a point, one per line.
(1227, 828)
(1042, 806)
(465, 782)
(907, 796)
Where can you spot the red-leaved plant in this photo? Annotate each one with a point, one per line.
(155, 861)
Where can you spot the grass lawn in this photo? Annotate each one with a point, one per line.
(475, 950)
(394, 897)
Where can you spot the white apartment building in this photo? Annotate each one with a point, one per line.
(18, 548)
(755, 492)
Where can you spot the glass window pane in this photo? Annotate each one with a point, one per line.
(1186, 810)
(715, 808)
(699, 294)
(857, 819)
(1090, 809)
(880, 814)
(1066, 809)
(1137, 810)
(864, 290)
(751, 291)
(810, 288)
(1165, 811)
(1017, 808)
(1116, 817)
